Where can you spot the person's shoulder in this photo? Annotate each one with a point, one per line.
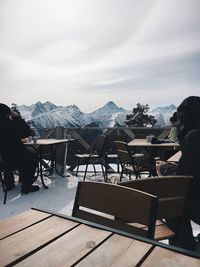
(193, 134)
(6, 122)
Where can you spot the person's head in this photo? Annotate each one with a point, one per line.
(188, 115)
(4, 110)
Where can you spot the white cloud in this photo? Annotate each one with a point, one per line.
(87, 52)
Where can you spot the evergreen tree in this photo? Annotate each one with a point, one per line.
(139, 117)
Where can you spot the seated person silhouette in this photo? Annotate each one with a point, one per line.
(188, 127)
(14, 153)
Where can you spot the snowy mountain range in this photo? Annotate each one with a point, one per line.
(48, 115)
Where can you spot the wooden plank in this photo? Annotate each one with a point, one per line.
(161, 257)
(117, 251)
(68, 249)
(175, 157)
(20, 221)
(23, 242)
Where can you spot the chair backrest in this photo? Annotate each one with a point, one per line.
(95, 201)
(164, 134)
(99, 145)
(110, 139)
(123, 152)
(172, 192)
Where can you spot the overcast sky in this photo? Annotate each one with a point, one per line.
(88, 52)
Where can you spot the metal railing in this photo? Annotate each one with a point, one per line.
(85, 138)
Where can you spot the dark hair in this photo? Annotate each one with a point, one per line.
(4, 110)
(188, 114)
(173, 118)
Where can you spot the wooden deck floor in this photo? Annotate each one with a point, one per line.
(59, 197)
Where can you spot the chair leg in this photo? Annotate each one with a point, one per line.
(95, 172)
(4, 188)
(86, 167)
(106, 167)
(121, 175)
(118, 164)
(77, 168)
(104, 175)
(85, 172)
(5, 197)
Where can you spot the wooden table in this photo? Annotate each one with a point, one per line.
(150, 149)
(144, 143)
(53, 143)
(39, 238)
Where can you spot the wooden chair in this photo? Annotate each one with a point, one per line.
(111, 155)
(127, 160)
(113, 206)
(95, 157)
(172, 192)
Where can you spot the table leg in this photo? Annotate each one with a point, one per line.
(55, 161)
(152, 161)
(40, 168)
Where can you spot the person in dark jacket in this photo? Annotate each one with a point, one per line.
(14, 153)
(188, 114)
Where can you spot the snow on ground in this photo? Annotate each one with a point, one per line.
(59, 197)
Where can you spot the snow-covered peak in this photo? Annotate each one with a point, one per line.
(163, 114)
(172, 108)
(48, 115)
(49, 105)
(108, 108)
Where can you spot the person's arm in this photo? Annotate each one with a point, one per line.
(189, 162)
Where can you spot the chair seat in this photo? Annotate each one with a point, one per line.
(162, 231)
(87, 156)
(131, 168)
(112, 156)
(137, 155)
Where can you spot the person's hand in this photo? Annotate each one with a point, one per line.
(159, 163)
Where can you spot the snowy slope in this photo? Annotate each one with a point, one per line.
(163, 114)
